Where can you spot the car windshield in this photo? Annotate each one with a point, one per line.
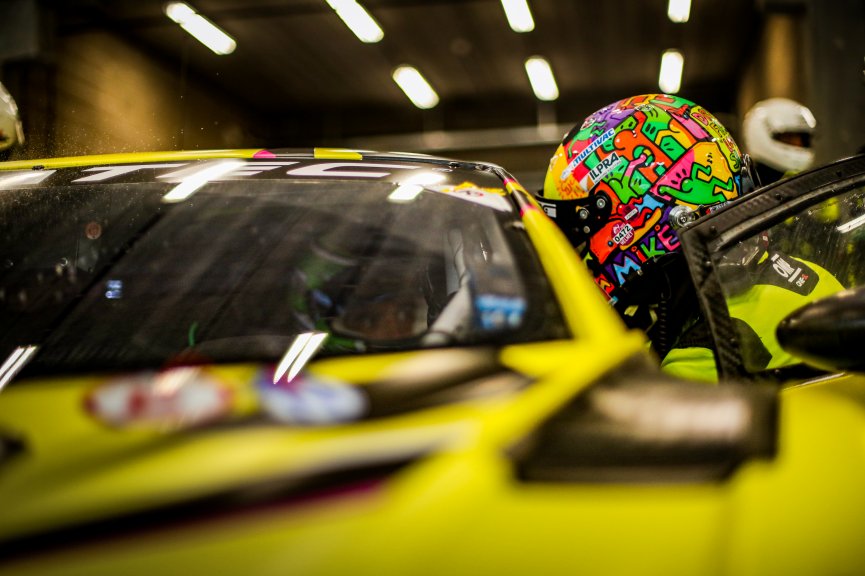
(110, 276)
(813, 253)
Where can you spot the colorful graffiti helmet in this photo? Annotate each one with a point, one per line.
(634, 172)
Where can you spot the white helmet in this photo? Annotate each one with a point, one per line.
(11, 132)
(778, 133)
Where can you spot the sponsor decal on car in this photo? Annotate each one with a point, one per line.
(308, 399)
(175, 398)
(497, 312)
(489, 197)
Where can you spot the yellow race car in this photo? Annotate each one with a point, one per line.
(341, 362)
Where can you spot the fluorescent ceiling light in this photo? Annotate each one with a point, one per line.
(670, 78)
(201, 28)
(415, 87)
(519, 15)
(358, 20)
(542, 79)
(679, 10)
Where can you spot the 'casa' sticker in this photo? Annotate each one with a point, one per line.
(309, 399)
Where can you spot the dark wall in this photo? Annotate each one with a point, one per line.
(94, 92)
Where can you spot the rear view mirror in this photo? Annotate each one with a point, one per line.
(829, 332)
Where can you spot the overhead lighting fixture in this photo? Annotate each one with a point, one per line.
(679, 10)
(670, 78)
(201, 28)
(519, 15)
(358, 20)
(415, 87)
(541, 78)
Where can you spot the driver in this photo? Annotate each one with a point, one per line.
(620, 185)
(778, 133)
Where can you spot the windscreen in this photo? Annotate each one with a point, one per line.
(813, 253)
(111, 276)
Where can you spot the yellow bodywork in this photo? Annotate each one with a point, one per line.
(457, 507)
(128, 158)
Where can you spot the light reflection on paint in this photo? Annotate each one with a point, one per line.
(298, 354)
(15, 362)
(410, 188)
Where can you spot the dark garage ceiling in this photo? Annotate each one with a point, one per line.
(297, 65)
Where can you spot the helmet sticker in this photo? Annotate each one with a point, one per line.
(584, 153)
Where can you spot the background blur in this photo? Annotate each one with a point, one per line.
(94, 76)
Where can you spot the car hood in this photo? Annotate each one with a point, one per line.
(203, 440)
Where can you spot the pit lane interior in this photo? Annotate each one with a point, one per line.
(94, 76)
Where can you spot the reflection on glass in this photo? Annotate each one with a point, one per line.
(298, 354)
(812, 254)
(237, 275)
(14, 363)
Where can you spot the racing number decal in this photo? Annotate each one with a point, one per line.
(336, 169)
(108, 172)
(312, 170)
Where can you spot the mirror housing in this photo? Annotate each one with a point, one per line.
(828, 333)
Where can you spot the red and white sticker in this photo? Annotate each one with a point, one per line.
(175, 398)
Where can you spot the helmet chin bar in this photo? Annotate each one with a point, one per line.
(750, 180)
(659, 299)
(580, 218)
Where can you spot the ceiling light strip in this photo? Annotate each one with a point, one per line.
(679, 10)
(201, 28)
(519, 15)
(541, 78)
(670, 78)
(415, 86)
(358, 20)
